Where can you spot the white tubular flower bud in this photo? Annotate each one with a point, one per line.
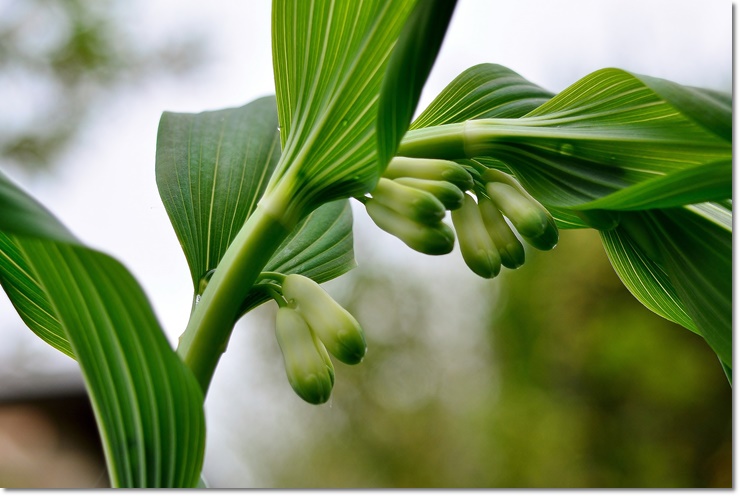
(425, 168)
(417, 205)
(530, 219)
(450, 195)
(478, 250)
(310, 374)
(335, 327)
(431, 239)
(508, 245)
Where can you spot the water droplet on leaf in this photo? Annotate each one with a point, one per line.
(567, 149)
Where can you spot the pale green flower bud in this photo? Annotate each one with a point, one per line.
(508, 245)
(431, 239)
(413, 203)
(450, 195)
(478, 250)
(425, 168)
(548, 239)
(543, 241)
(530, 219)
(335, 327)
(310, 374)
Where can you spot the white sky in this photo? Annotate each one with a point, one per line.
(105, 190)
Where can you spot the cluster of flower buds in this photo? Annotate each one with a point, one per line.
(413, 195)
(309, 322)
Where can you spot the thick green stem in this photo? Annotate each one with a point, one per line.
(477, 138)
(445, 142)
(209, 329)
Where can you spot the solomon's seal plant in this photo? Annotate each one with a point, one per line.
(259, 199)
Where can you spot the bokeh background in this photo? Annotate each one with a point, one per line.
(548, 376)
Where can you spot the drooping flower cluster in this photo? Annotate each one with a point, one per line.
(410, 201)
(412, 197)
(309, 323)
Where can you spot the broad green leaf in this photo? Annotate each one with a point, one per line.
(320, 247)
(22, 214)
(703, 183)
(483, 91)
(408, 68)
(708, 108)
(148, 405)
(678, 263)
(696, 245)
(212, 169)
(606, 132)
(646, 280)
(28, 297)
(329, 58)
(615, 131)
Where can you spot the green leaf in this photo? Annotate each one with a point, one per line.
(320, 247)
(678, 263)
(212, 169)
(483, 91)
(696, 245)
(28, 297)
(710, 109)
(703, 183)
(147, 404)
(408, 68)
(329, 58)
(22, 214)
(645, 279)
(608, 131)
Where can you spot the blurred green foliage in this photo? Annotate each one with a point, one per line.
(61, 59)
(572, 383)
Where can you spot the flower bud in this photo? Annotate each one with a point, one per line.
(508, 245)
(337, 329)
(478, 250)
(425, 168)
(310, 374)
(547, 240)
(431, 239)
(450, 195)
(526, 216)
(530, 219)
(420, 206)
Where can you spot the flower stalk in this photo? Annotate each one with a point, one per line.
(212, 321)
